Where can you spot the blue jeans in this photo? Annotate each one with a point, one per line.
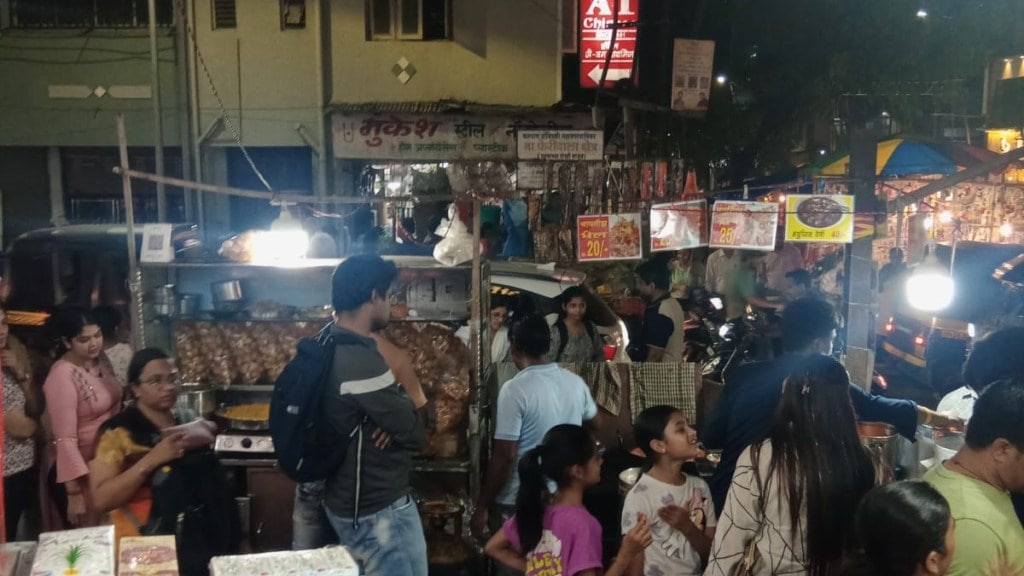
(310, 527)
(388, 542)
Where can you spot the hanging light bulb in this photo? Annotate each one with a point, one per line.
(946, 217)
(1006, 229)
(929, 222)
(285, 242)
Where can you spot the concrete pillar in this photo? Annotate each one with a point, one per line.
(53, 171)
(861, 270)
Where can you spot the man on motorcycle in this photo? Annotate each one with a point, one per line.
(744, 412)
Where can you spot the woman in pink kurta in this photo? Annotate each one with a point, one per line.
(81, 393)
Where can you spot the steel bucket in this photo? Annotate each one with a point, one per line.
(882, 443)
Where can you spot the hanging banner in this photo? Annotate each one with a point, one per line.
(439, 137)
(563, 145)
(692, 62)
(660, 178)
(744, 225)
(819, 218)
(597, 20)
(679, 225)
(608, 237)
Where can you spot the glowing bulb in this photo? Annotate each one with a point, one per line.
(946, 217)
(929, 221)
(922, 13)
(1006, 229)
(930, 287)
(721, 79)
(285, 242)
(782, 197)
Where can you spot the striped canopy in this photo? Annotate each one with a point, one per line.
(900, 157)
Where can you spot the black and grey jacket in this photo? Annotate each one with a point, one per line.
(361, 397)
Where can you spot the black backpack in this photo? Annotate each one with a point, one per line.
(563, 336)
(303, 452)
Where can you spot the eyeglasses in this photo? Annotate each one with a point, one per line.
(165, 380)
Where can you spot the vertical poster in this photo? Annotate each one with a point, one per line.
(661, 178)
(692, 62)
(608, 237)
(824, 218)
(744, 225)
(679, 225)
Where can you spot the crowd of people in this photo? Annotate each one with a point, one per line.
(106, 449)
(794, 492)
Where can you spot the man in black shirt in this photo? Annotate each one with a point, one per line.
(662, 337)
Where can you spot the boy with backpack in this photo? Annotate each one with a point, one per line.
(365, 428)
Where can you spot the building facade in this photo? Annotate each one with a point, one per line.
(270, 75)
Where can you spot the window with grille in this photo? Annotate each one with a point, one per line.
(408, 19)
(88, 13)
(224, 14)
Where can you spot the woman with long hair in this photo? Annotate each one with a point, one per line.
(904, 529)
(81, 393)
(554, 533)
(22, 408)
(573, 337)
(793, 496)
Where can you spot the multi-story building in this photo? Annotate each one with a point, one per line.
(280, 82)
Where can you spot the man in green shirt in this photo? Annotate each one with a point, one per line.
(977, 482)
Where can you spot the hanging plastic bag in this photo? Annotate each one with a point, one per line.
(456, 244)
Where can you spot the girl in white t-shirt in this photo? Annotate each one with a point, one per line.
(679, 505)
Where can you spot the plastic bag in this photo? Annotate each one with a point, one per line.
(456, 245)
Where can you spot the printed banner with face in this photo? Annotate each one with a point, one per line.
(679, 225)
(744, 225)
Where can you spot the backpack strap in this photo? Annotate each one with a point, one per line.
(563, 338)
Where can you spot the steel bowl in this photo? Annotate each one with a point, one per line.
(227, 291)
(197, 399)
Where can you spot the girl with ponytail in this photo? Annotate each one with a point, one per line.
(551, 533)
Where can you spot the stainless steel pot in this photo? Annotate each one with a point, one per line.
(227, 291)
(188, 305)
(165, 300)
(198, 399)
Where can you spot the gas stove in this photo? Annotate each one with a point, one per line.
(243, 443)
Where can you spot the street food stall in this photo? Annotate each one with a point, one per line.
(233, 326)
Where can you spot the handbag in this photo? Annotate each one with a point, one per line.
(751, 561)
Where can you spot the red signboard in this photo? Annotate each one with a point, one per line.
(608, 237)
(597, 20)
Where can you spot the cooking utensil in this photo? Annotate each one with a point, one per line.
(240, 424)
(882, 444)
(628, 478)
(227, 291)
(165, 300)
(188, 305)
(196, 398)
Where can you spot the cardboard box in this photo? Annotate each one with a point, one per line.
(80, 552)
(147, 555)
(330, 561)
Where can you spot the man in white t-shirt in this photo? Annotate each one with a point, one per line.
(539, 397)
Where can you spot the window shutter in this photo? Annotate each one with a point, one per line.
(224, 14)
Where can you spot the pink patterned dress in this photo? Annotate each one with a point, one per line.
(78, 401)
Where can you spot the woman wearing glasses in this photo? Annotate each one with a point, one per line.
(155, 472)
